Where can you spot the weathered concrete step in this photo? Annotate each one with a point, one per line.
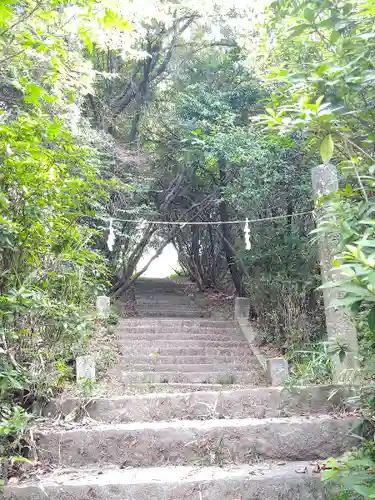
(165, 299)
(186, 304)
(186, 368)
(172, 329)
(258, 482)
(172, 292)
(165, 349)
(167, 305)
(150, 289)
(156, 345)
(161, 281)
(170, 388)
(172, 313)
(257, 402)
(197, 441)
(152, 377)
(177, 323)
(128, 336)
(190, 308)
(157, 359)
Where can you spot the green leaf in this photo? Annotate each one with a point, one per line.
(335, 35)
(298, 30)
(329, 474)
(371, 319)
(367, 243)
(20, 459)
(326, 149)
(355, 307)
(347, 8)
(358, 290)
(371, 278)
(366, 491)
(33, 93)
(5, 12)
(342, 355)
(87, 39)
(309, 14)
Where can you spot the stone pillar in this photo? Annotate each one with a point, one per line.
(241, 308)
(102, 306)
(85, 368)
(277, 370)
(339, 325)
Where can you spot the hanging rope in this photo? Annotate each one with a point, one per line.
(205, 223)
(112, 237)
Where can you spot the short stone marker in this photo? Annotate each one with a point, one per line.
(241, 307)
(102, 306)
(85, 368)
(278, 370)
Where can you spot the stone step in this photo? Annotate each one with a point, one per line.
(184, 348)
(156, 345)
(168, 304)
(186, 368)
(157, 359)
(170, 291)
(151, 306)
(262, 481)
(161, 288)
(154, 336)
(173, 329)
(197, 442)
(163, 282)
(177, 323)
(165, 299)
(168, 300)
(170, 388)
(172, 313)
(257, 402)
(217, 377)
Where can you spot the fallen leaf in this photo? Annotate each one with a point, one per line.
(13, 480)
(324, 467)
(302, 470)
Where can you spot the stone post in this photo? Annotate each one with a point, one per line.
(277, 370)
(85, 368)
(241, 308)
(339, 325)
(102, 306)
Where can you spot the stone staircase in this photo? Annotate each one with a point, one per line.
(206, 427)
(166, 298)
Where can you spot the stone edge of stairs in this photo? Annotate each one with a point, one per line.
(256, 402)
(262, 481)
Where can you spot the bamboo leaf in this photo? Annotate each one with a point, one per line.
(326, 149)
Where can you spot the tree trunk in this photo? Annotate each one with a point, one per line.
(230, 255)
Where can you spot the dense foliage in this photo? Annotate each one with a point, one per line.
(323, 54)
(49, 186)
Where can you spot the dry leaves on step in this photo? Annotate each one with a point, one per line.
(13, 480)
(302, 470)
